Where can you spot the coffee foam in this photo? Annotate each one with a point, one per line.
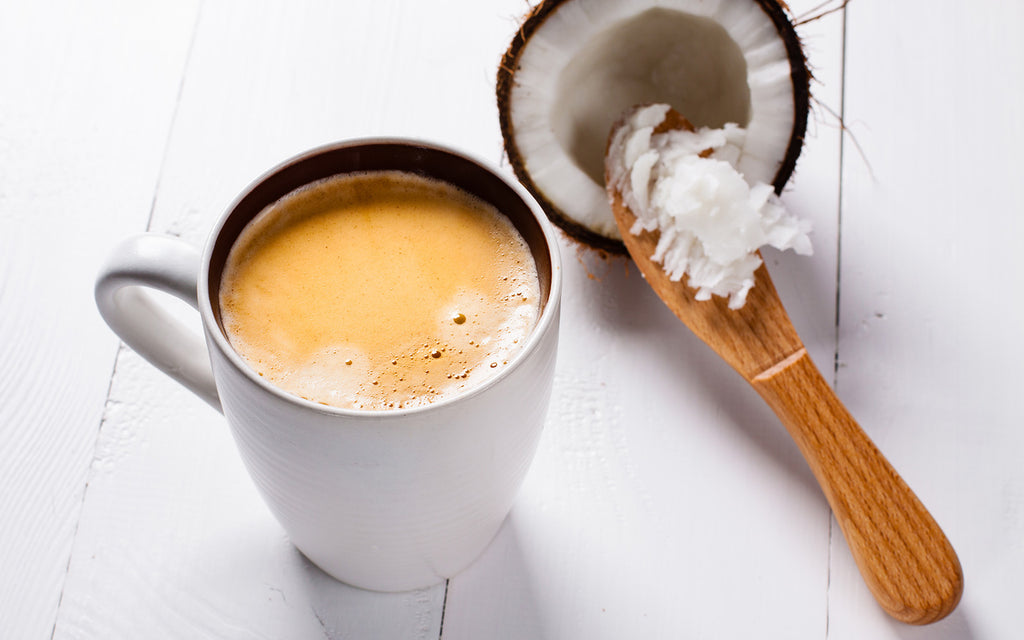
(377, 291)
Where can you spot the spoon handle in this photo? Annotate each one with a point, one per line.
(903, 555)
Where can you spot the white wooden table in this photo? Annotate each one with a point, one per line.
(665, 501)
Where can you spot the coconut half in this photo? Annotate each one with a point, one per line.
(575, 66)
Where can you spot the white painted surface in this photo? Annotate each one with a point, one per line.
(665, 501)
(931, 339)
(87, 103)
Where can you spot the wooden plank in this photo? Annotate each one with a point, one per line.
(930, 342)
(89, 94)
(173, 540)
(666, 500)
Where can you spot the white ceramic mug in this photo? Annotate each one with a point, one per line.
(383, 500)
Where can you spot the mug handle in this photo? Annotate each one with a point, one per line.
(166, 264)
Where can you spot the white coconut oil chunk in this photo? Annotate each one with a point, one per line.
(710, 220)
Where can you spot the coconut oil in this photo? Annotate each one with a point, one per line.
(712, 222)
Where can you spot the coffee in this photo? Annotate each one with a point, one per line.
(379, 290)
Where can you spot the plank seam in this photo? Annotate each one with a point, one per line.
(121, 346)
(839, 272)
(174, 116)
(444, 609)
(85, 488)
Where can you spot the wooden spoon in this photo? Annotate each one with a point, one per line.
(903, 555)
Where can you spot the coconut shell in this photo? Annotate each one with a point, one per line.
(776, 10)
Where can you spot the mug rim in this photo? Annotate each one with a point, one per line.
(548, 315)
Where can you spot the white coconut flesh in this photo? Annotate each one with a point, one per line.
(711, 222)
(589, 61)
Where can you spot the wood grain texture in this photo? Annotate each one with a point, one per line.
(88, 97)
(903, 554)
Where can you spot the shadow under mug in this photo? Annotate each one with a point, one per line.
(383, 500)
